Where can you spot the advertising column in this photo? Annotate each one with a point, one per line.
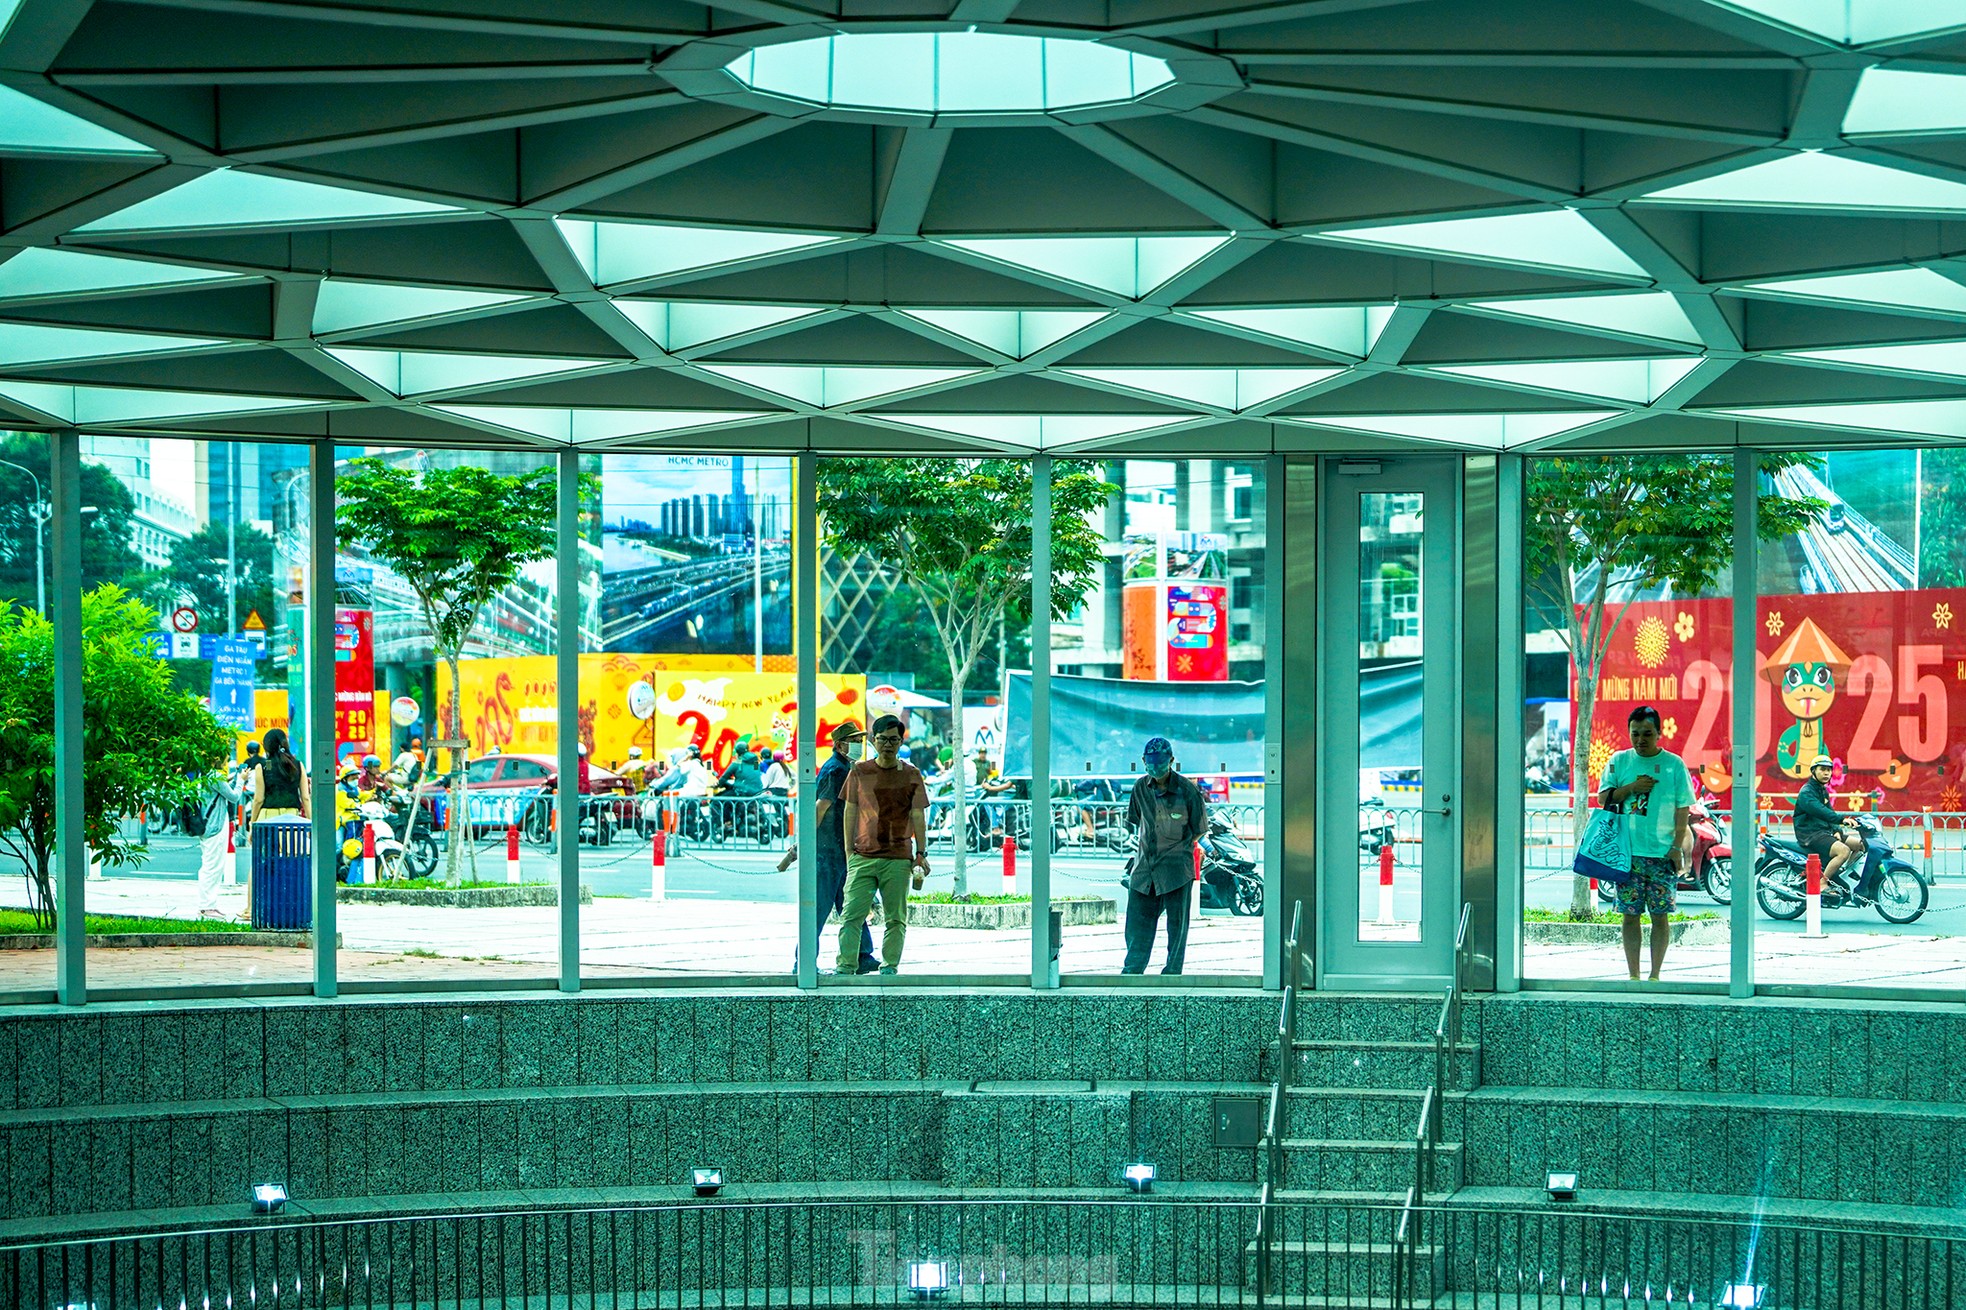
(1175, 609)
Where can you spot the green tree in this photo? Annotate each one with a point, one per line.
(1941, 508)
(197, 571)
(106, 553)
(144, 741)
(1598, 524)
(957, 534)
(457, 537)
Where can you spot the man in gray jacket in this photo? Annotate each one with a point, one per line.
(1167, 814)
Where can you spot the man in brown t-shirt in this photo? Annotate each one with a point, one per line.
(886, 832)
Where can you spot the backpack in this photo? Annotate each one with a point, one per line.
(191, 818)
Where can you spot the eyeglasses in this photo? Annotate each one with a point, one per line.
(887, 740)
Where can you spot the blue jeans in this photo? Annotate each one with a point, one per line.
(832, 896)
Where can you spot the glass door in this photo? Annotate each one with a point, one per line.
(1389, 723)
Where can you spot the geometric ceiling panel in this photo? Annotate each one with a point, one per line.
(416, 373)
(1346, 330)
(1897, 101)
(823, 386)
(1934, 418)
(680, 324)
(50, 273)
(1813, 180)
(341, 305)
(84, 405)
(1481, 224)
(1941, 358)
(1909, 289)
(1856, 22)
(1634, 381)
(1018, 333)
(24, 343)
(1487, 431)
(229, 198)
(579, 426)
(1233, 389)
(1561, 240)
(628, 252)
(1126, 266)
(1655, 315)
(32, 127)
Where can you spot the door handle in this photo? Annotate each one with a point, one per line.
(1445, 811)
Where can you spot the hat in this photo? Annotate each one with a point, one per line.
(848, 731)
(634, 752)
(1156, 746)
(1822, 762)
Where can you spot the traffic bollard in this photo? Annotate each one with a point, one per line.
(1928, 845)
(658, 866)
(1194, 903)
(1386, 885)
(1010, 866)
(512, 853)
(368, 853)
(1813, 896)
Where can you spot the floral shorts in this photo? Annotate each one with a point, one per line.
(1651, 889)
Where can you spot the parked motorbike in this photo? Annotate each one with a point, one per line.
(393, 859)
(1229, 874)
(1895, 889)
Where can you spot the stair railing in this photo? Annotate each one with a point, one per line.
(1428, 1131)
(1278, 1117)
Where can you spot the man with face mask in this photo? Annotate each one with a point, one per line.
(1167, 813)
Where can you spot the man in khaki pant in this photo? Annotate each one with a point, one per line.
(886, 833)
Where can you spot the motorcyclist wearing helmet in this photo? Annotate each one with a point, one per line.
(1822, 831)
(370, 779)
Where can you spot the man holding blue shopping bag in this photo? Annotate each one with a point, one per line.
(1650, 786)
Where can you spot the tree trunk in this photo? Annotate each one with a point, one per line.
(459, 824)
(959, 819)
(1587, 646)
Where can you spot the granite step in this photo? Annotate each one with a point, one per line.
(1364, 1112)
(1380, 1064)
(1347, 1164)
(1348, 1269)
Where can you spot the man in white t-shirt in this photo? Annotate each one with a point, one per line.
(1651, 786)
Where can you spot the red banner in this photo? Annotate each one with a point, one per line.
(354, 684)
(1871, 679)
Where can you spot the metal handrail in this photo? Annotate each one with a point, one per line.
(1278, 1118)
(1428, 1131)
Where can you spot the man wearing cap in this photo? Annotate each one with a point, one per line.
(1167, 814)
(827, 813)
(1819, 828)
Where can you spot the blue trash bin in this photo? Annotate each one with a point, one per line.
(283, 875)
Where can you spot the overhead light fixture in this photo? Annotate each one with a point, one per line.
(928, 1278)
(1562, 1186)
(1742, 1296)
(1139, 1177)
(268, 1198)
(706, 1179)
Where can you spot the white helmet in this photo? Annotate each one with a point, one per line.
(634, 752)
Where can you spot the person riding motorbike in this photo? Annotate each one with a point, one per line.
(370, 778)
(1820, 829)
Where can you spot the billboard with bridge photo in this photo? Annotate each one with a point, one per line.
(1876, 680)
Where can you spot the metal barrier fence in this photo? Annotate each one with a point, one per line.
(1932, 842)
(1136, 1251)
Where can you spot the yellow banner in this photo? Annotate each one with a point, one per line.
(712, 701)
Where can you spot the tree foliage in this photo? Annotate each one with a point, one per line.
(1599, 525)
(144, 742)
(197, 572)
(956, 534)
(106, 553)
(457, 536)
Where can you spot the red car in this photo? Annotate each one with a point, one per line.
(501, 789)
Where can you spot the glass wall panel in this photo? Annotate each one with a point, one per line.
(1165, 640)
(188, 598)
(27, 697)
(1626, 581)
(689, 709)
(924, 628)
(1861, 577)
(445, 730)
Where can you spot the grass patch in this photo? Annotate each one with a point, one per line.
(950, 898)
(18, 923)
(423, 954)
(1539, 914)
(434, 885)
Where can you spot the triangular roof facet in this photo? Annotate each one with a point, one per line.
(824, 386)
(418, 372)
(1125, 266)
(34, 127)
(681, 324)
(631, 252)
(578, 426)
(1908, 289)
(1038, 431)
(1017, 333)
(1341, 329)
(1560, 239)
(1488, 431)
(1635, 381)
(342, 306)
(1814, 180)
(228, 198)
(1233, 389)
(41, 273)
(1653, 315)
(34, 343)
(81, 405)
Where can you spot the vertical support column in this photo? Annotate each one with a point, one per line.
(566, 559)
(1510, 475)
(319, 667)
(1747, 502)
(1276, 913)
(1298, 643)
(1041, 972)
(805, 650)
(1484, 793)
(71, 851)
